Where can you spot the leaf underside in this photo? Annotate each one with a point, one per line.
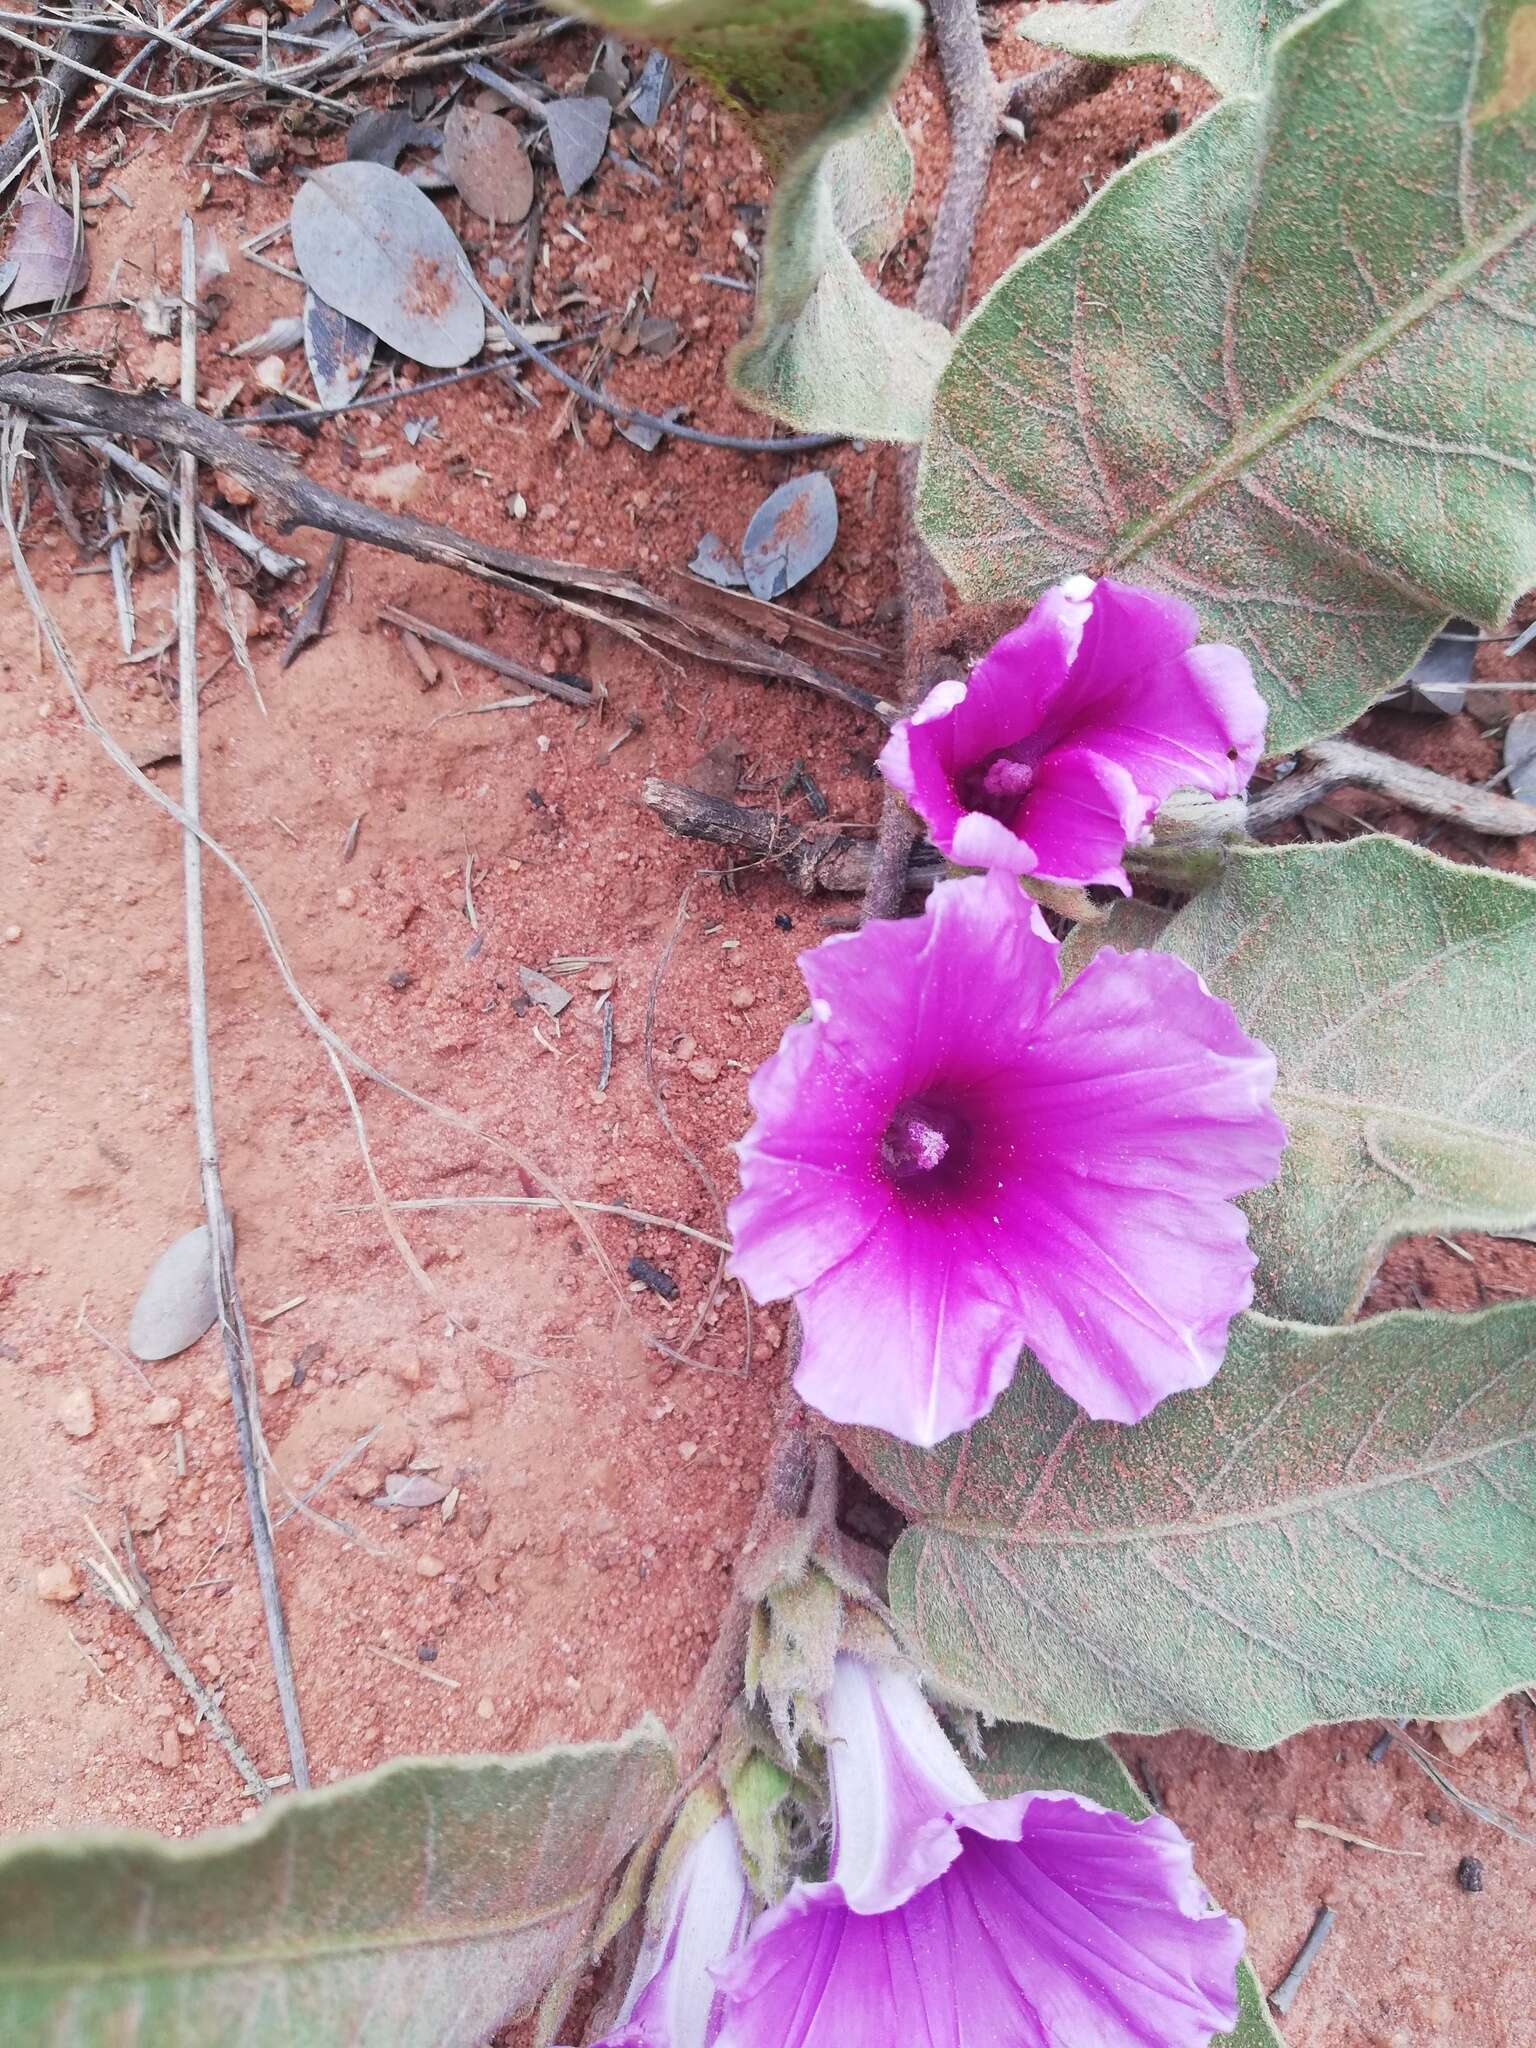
(1228, 41)
(1284, 367)
(811, 78)
(1025, 1759)
(1338, 1526)
(421, 1906)
(1397, 991)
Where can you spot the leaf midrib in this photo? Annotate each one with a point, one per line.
(1161, 1532)
(1498, 1136)
(1244, 450)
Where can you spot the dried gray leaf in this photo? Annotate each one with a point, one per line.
(645, 436)
(1520, 757)
(578, 137)
(549, 995)
(49, 265)
(716, 563)
(178, 1302)
(410, 1490)
(282, 334)
(651, 91)
(488, 164)
(379, 136)
(372, 245)
(1438, 679)
(790, 534)
(609, 71)
(339, 351)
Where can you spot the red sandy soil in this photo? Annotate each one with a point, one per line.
(602, 1490)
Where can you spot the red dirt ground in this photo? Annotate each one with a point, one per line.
(602, 1489)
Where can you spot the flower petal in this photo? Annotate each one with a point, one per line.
(896, 1779)
(1176, 715)
(1060, 1925)
(674, 1999)
(808, 1197)
(1081, 814)
(915, 1333)
(955, 990)
(1150, 1109)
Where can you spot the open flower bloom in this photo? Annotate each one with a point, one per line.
(952, 1160)
(1051, 759)
(953, 1921)
(674, 2000)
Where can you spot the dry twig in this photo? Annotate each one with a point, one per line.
(812, 856)
(1335, 764)
(124, 1586)
(237, 1353)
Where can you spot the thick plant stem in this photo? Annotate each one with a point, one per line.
(973, 117)
(973, 114)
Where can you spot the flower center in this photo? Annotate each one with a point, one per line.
(996, 784)
(923, 1146)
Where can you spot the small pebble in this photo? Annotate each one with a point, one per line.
(13, 935)
(163, 1411)
(485, 1706)
(426, 1653)
(783, 921)
(1469, 1873)
(346, 897)
(59, 1584)
(743, 998)
(429, 1567)
(687, 1452)
(704, 1071)
(77, 1412)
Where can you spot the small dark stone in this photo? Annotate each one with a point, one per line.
(399, 979)
(784, 921)
(659, 1282)
(1469, 1874)
(1170, 120)
(426, 1653)
(537, 801)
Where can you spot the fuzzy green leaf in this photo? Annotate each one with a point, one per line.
(1284, 367)
(811, 79)
(1396, 990)
(420, 1905)
(1025, 1759)
(1338, 1526)
(1229, 41)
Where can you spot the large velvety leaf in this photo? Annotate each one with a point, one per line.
(1338, 1526)
(419, 1906)
(811, 78)
(1025, 1759)
(1284, 367)
(1228, 40)
(1398, 992)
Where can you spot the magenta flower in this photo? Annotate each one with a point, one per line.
(674, 2000)
(953, 1921)
(1054, 755)
(952, 1160)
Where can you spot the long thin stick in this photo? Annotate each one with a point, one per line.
(231, 1316)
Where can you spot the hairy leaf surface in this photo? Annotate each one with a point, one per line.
(811, 79)
(420, 1905)
(1284, 367)
(1340, 1525)
(1025, 1759)
(1229, 41)
(1398, 992)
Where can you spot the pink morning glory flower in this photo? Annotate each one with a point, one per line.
(1052, 757)
(954, 1921)
(952, 1160)
(674, 2000)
